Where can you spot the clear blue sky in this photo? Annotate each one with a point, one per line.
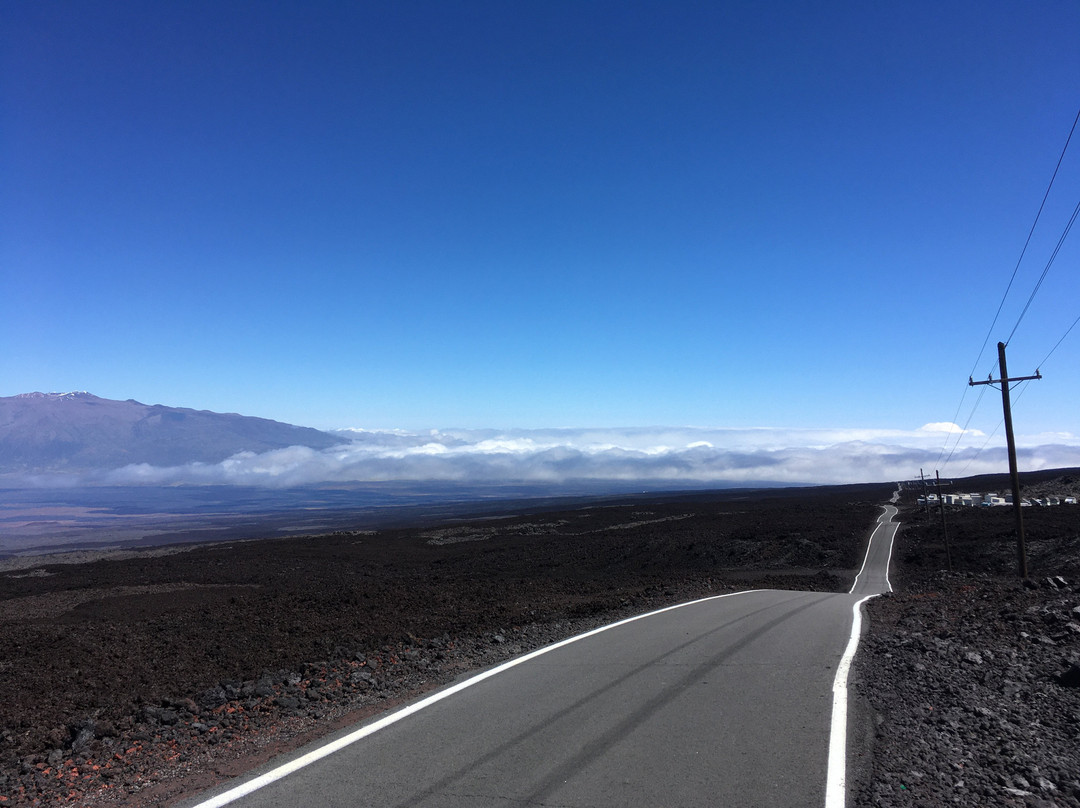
(539, 214)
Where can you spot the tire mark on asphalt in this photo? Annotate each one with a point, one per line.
(596, 748)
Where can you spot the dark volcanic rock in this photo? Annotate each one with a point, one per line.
(1071, 677)
(315, 629)
(963, 672)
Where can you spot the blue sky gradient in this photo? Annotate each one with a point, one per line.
(532, 215)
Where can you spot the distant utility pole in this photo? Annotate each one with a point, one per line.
(1004, 381)
(944, 529)
(926, 500)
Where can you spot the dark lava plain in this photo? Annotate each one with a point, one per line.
(142, 677)
(972, 678)
(137, 680)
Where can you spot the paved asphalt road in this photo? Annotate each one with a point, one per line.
(721, 702)
(873, 578)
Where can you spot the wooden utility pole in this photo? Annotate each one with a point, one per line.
(944, 529)
(1004, 381)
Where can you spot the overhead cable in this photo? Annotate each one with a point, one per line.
(1026, 243)
(963, 430)
(991, 435)
(1067, 330)
(1053, 255)
(1012, 278)
(979, 450)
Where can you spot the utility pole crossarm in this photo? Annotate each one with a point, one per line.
(1038, 375)
(1006, 406)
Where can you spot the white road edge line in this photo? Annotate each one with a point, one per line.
(836, 775)
(836, 778)
(286, 769)
(892, 540)
(870, 543)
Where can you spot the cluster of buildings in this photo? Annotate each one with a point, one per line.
(989, 500)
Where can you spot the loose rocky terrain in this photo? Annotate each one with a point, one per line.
(973, 677)
(147, 676)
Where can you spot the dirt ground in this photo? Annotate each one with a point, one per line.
(972, 677)
(140, 678)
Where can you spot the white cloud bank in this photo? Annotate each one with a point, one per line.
(689, 455)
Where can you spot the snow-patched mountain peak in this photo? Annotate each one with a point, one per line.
(76, 394)
(78, 432)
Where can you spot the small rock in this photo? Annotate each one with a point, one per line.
(83, 740)
(168, 717)
(214, 697)
(187, 705)
(1071, 677)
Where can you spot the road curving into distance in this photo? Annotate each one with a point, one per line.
(738, 699)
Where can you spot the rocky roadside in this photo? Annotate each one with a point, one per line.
(174, 748)
(141, 679)
(973, 684)
(970, 680)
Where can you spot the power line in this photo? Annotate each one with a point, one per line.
(1046, 269)
(948, 437)
(1012, 279)
(963, 430)
(990, 437)
(1067, 330)
(978, 451)
(1061, 157)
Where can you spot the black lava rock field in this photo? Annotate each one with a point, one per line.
(142, 677)
(972, 677)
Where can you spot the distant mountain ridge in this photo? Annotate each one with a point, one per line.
(78, 432)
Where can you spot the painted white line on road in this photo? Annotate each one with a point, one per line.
(866, 558)
(836, 779)
(286, 769)
(892, 539)
(883, 520)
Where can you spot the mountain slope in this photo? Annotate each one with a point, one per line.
(50, 432)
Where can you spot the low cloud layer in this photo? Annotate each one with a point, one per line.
(692, 456)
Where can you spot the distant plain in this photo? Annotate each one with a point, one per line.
(55, 520)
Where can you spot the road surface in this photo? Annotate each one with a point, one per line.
(873, 578)
(730, 700)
